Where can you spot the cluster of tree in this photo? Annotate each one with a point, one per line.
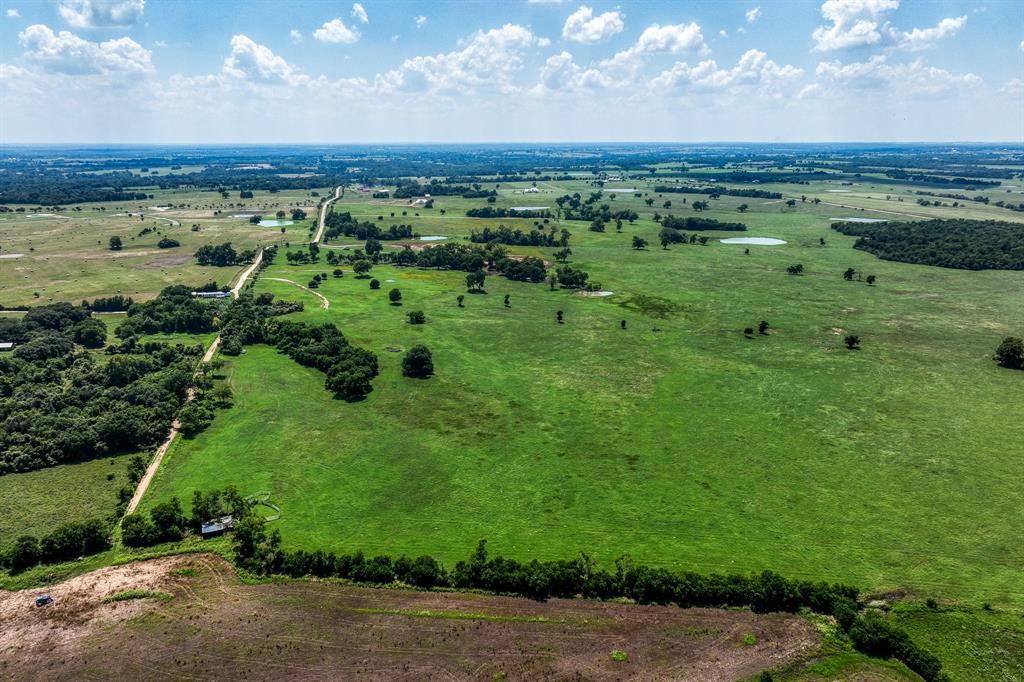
(699, 224)
(570, 277)
(669, 235)
(349, 369)
(492, 212)
(575, 207)
(337, 224)
(412, 188)
(168, 243)
(59, 404)
(67, 541)
(173, 310)
(109, 304)
(716, 191)
(222, 255)
(472, 259)
(535, 237)
(963, 244)
(164, 523)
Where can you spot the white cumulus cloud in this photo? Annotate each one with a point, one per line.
(101, 13)
(335, 31)
(925, 38)
(583, 27)
(859, 23)
(753, 69)
(251, 61)
(419, 21)
(488, 60)
(296, 35)
(65, 52)
(853, 23)
(753, 15)
(673, 39)
(878, 74)
(13, 13)
(360, 13)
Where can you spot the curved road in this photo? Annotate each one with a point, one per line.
(158, 457)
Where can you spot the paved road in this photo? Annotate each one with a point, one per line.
(158, 457)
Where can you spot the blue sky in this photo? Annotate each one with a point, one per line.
(418, 71)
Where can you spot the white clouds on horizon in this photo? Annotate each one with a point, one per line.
(583, 27)
(877, 74)
(101, 13)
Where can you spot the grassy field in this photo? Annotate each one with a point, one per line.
(64, 256)
(972, 643)
(676, 440)
(36, 502)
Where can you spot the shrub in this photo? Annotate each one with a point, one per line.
(1010, 353)
(416, 317)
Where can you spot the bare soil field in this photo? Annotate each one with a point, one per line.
(214, 627)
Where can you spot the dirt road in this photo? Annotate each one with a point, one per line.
(158, 456)
(323, 215)
(200, 622)
(324, 303)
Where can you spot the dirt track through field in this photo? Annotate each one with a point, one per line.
(323, 215)
(215, 628)
(324, 303)
(158, 456)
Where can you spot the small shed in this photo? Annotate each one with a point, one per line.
(6, 346)
(217, 526)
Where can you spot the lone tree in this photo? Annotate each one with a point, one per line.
(622, 325)
(338, 272)
(559, 317)
(375, 284)
(871, 279)
(748, 332)
(475, 280)
(852, 341)
(418, 362)
(508, 302)
(563, 255)
(797, 269)
(1010, 353)
(639, 242)
(416, 317)
(762, 327)
(115, 243)
(742, 208)
(395, 296)
(848, 275)
(361, 267)
(460, 298)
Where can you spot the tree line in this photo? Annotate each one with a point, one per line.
(698, 224)
(492, 212)
(963, 243)
(535, 237)
(716, 191)
(337, 224)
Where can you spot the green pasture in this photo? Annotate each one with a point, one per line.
(676, 440)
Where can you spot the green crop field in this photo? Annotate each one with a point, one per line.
(677, 440)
